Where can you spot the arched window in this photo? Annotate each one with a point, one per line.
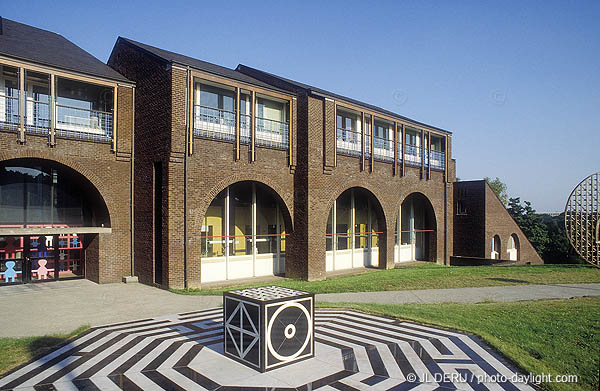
(35, 192)
(415, 231)
(496, 247)
(513, 247)
(353, 228)
(243, 234)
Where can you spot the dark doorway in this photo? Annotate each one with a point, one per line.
(157, 202)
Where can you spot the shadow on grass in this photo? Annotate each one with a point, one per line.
(509, 280)
(17, 352)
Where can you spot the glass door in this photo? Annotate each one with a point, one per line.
(70, 256)
(11, 260)
(41, 259)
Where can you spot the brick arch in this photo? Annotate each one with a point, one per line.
(437, 221)
(437, 218)
(278, 192)
(334, 195)
(98, 184)
(381, 211)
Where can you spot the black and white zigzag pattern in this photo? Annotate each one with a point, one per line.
(353, 351)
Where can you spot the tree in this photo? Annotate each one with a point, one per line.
(530, 223)
(558, 250)
(499, 188)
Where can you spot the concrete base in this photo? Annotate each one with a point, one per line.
(130, 279)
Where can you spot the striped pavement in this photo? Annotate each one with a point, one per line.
(353, 351)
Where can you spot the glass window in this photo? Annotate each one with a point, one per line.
(405, 227)
(361, 220)
(213, 228)
(344, 221)
(329, 232)
(272, 110)
(47, 194)
(240, 219)
(266, 222)
(85, 96)
(37, 105)
(215, 97)
(9, 95)
(374, 230)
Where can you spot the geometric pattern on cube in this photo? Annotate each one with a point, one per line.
(268, 327)
(582, 219)
(353, 351)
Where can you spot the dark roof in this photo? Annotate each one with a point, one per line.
(204, 66)
(27, 43)
(310, 89)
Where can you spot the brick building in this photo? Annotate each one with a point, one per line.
(66, 127)
(257, 175)
(240, 173)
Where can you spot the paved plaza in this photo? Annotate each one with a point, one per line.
(353, 351)
(63, 306)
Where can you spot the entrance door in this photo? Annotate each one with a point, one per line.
(11, 260)
(41, 258)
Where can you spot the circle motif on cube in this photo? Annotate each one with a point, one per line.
(277, 329)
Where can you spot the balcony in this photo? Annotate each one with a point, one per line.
(83, 124)
(349, 142)
(215, 116)
(10, 118)
(214, 123)
(384, 149)
(272, 133)
(78, 109)
(438, 160)
(412, 155)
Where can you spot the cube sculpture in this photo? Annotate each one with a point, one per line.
(268, 327)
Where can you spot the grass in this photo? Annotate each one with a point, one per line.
(430, 276)
(16, 351)
(546, 336)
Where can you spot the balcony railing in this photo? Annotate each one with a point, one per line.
(271, 133)
(83, 124)
(245, 128)
(349, 142)
(384, 149)
(412, 155)
(214, 123)
(438, 160)
(9, 112)
(37, 117)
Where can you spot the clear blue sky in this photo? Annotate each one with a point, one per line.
(518, 83)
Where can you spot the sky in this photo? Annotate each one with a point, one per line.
(517, 83)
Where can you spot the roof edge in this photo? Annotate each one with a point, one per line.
(254, 72)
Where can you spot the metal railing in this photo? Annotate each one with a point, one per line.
(349, 142)
(245, 128)
(9, 112)
(412, 155)
(37, 117)
(272, 133)
(438, 160)
(214, 123)
(83, 124)
(384, 149)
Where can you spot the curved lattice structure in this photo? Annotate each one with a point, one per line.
(582, 219)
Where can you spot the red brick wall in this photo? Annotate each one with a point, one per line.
(108, 258)
(152, 141)
(485, 218)
(499, 222)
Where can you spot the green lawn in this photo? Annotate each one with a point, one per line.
(16, 351)
(546, 336)
(429, 276)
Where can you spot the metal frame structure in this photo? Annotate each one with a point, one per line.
(582, 219)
